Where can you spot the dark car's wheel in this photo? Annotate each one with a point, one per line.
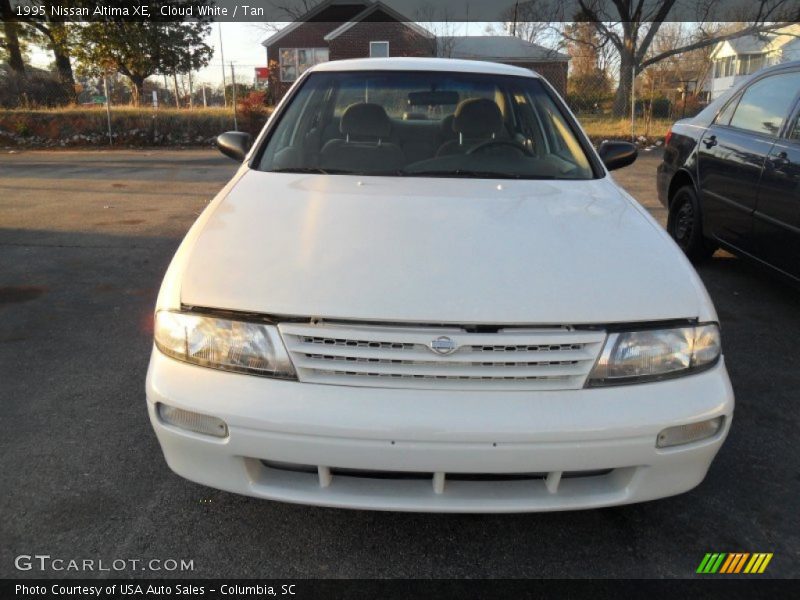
(686, 227)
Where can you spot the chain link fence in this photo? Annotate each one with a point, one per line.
(657, 99)
(191, 109)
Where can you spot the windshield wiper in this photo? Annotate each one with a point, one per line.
(319, 170)
(331, 171)
(472, 174)
(299, 170)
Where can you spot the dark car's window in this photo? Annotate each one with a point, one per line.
(438, 124)
(766, 103)
(794, 131)
(724, 117)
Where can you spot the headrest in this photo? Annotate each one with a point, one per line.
(447, 127)
(477, 117)
(365, 120)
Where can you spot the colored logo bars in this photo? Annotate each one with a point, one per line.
(734, 562)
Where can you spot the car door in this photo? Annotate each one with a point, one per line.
(732, 153)
(777, 217)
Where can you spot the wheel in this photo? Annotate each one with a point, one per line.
(686, 227)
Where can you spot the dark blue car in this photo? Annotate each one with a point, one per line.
(730, 176)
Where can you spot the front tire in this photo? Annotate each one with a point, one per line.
(686, 226)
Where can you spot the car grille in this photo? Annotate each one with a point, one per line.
(328, 475)
(402, 357)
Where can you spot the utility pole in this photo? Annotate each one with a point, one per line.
(514, 24)
(222, 58)
(191, 91)
(205, 104)
(177, 95)
(633, 103)
(108, 108)
(686, 88)
(233, 79)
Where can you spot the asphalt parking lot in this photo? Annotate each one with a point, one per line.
(85, 238)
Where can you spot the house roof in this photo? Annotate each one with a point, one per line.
(499, 47)
(760, 42)
(341, 10)
(372, 8)
(751, 44)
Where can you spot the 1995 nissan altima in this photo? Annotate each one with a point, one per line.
(423, 291)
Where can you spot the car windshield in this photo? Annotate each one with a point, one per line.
(431, 124)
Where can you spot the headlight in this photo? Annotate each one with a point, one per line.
(652, 354)
(223, 344)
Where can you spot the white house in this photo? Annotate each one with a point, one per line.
(737, 58)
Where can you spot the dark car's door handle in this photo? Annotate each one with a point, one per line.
(779, 160)
(710, 141)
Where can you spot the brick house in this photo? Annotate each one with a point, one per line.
(335, 30)
(339, 29)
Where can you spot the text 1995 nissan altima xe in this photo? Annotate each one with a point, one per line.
(422, 291)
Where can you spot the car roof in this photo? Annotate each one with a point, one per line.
(423, 64)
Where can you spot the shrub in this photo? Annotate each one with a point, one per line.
(693, 105)
(35, 89)
(253, 112)
(87, 126)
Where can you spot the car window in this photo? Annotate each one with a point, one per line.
(724, 117)
(399, 98)
(438, 124)
(766, 103)
(794, 130)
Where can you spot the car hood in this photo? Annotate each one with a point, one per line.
(436, 250)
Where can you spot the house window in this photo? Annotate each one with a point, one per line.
(379, 49)
(750, 63)
(296, 60)
(725, 67)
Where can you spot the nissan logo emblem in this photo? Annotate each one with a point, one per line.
(443, 345)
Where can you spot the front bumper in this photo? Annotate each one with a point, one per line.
(438, 451)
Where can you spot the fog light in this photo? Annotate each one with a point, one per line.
(686, 434)
(185, 419)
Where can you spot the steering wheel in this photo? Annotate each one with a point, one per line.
(489, 143)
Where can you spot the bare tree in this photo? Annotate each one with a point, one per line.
(438, 22)
(290, 10)
(630, 26)
(539, 22)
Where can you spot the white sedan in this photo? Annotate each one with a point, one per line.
(423, 291)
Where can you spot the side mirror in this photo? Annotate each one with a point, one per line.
(234, 144)
(616, 155)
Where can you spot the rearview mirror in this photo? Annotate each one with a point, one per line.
(234, 144)
(616, 155)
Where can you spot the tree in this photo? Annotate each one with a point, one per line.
(139, 49)
(10, 42)
(631, 26)
(56, 32)
(440, 24)
(588, 83)
(528, 20)
(184, 52)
